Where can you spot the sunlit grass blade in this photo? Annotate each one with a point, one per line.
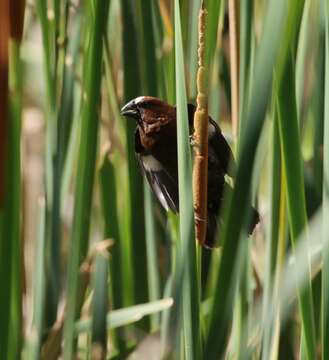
(86, 169)
(301, 56)
(127, 316)
(187, 247)
(273, 231)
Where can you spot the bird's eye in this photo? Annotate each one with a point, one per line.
(146, 105)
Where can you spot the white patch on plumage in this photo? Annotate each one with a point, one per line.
(151, 163)
(160, 196)
(139, 99)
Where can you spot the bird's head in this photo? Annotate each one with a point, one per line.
(150, 113)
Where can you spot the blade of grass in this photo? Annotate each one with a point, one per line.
(111, 227)
(12, 223)
(108, 194)
(52, 180)
(126, 316)
(187, 246)
(301, 56)
(10, 182)
(34, 336)
(152, 256)
(213, 7)
(234, 19)
(317, 100)
(65, 115)
(273, 231)
(86, 168)
(325, 271)
(246, 28)
(99, 306)
(193, 47)
(4, 120)
(289, 137)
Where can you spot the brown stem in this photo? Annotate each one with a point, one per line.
(200, 169)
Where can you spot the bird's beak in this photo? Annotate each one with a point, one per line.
(130, 109)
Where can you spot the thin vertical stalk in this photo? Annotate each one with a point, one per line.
(10, 178)
(99, 306)
(5, 245)
(187, 246)
(325, 271)
(245, 56)
(12, 224)
(233, 11)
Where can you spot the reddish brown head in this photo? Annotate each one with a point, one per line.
(152, 115)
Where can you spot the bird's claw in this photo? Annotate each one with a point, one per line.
(193, 142)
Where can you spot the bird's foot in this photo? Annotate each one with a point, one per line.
(193, 142)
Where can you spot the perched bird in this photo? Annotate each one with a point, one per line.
(156, 151)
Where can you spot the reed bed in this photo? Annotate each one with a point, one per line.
(91, 266)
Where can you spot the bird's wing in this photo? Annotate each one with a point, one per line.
(221, 148)
(163, 185)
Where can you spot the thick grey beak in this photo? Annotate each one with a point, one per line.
(130, 109)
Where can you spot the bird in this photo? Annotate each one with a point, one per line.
(156, 151)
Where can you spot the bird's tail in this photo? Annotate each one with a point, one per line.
(213, 226)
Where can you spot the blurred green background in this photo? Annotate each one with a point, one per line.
(91, 267)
